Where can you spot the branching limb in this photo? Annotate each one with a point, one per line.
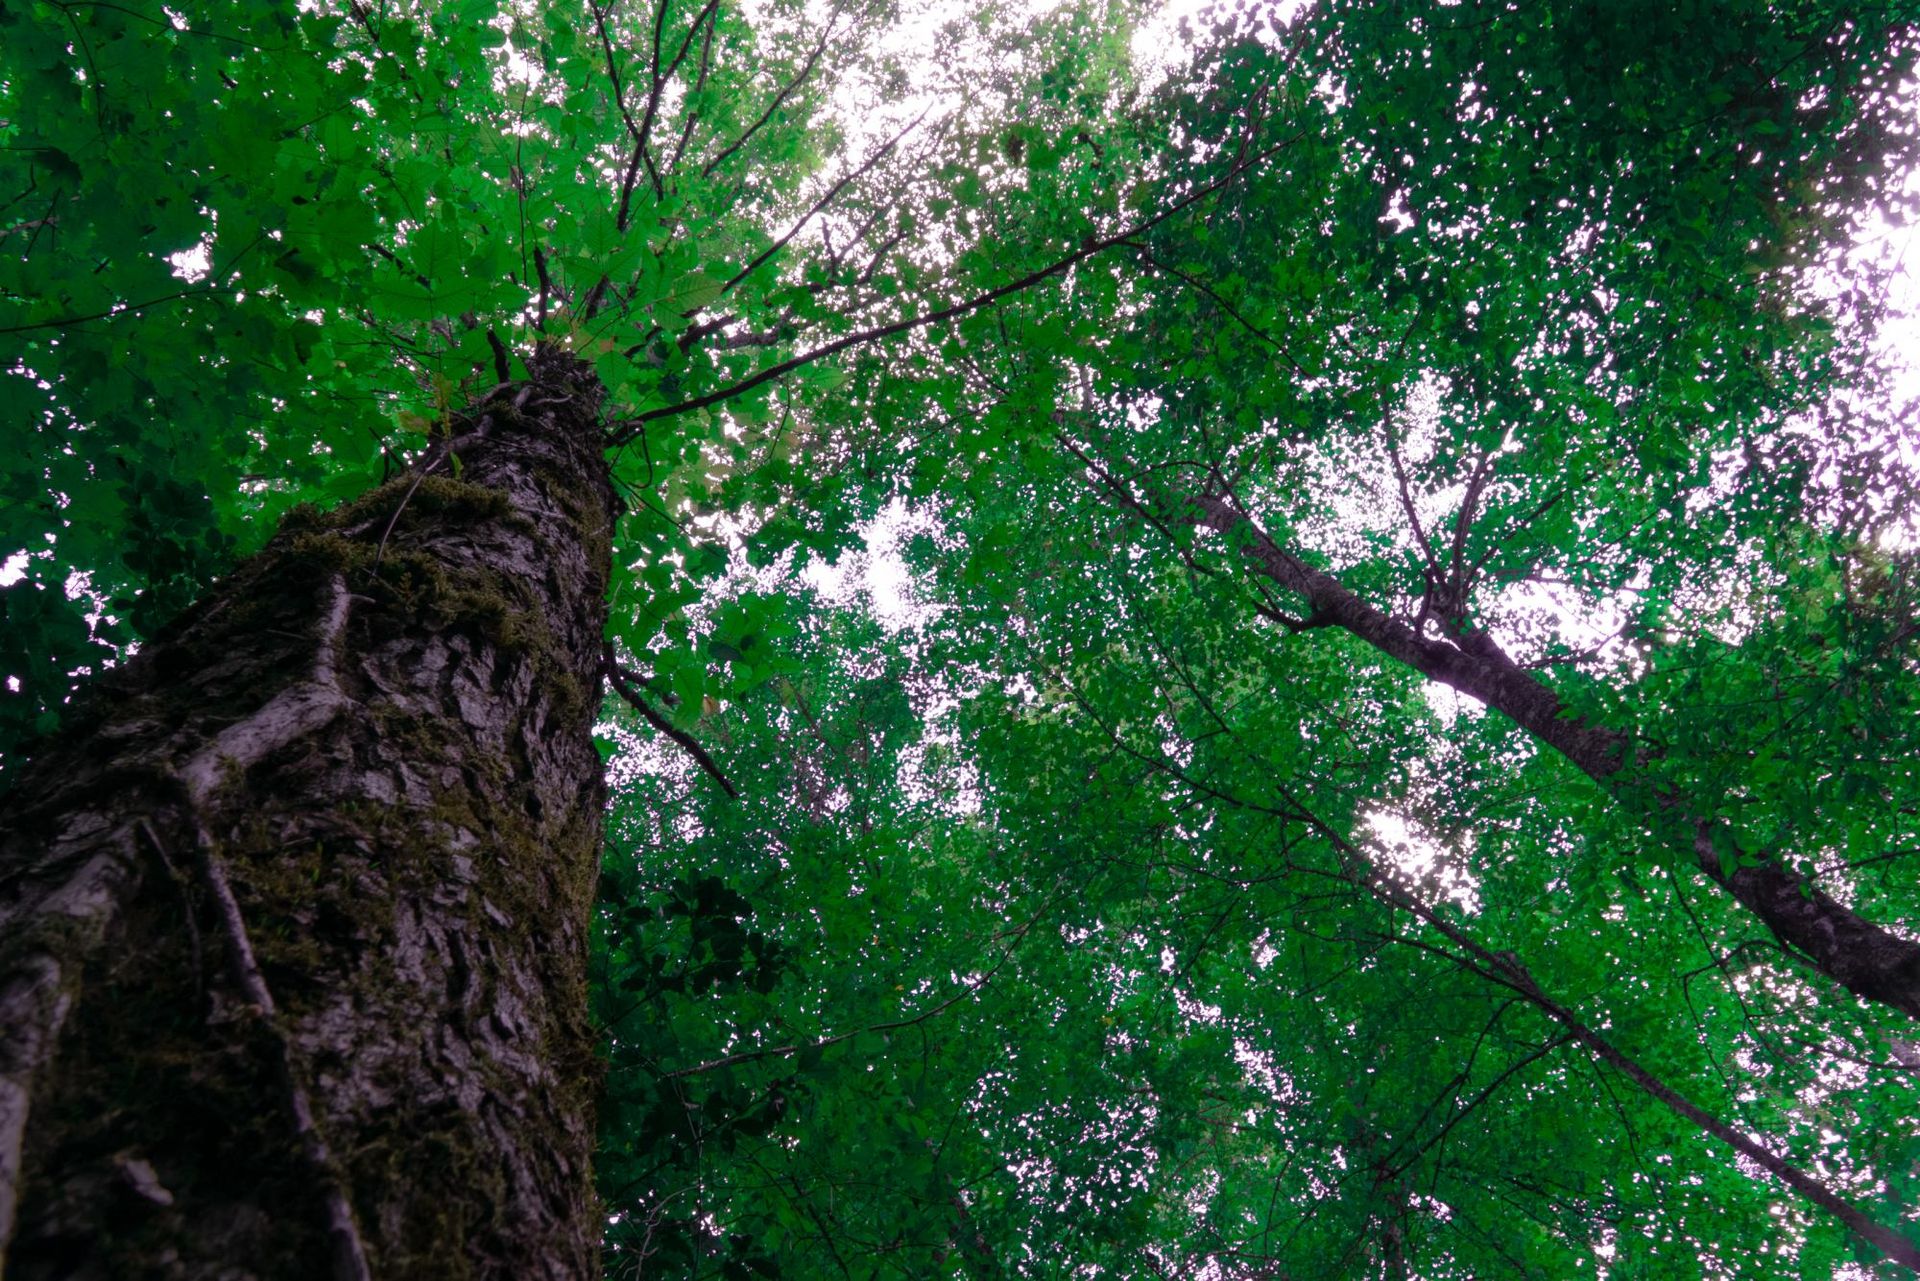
(620, 97)
(1506, 970)
(1407, 504)
(779, 99)
(1869, 960)
(699, 83)
(625, 430)
(1124, 495)
(833, 193)
(1294, 623)
(660, 79)
(642, 137)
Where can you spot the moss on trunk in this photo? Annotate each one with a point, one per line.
(376, 738)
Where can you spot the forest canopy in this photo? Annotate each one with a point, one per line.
(1281, 642)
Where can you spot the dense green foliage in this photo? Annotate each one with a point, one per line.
(1096, 907)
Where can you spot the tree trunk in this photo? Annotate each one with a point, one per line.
(293, 916)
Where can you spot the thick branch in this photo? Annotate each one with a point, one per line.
(1867, 959)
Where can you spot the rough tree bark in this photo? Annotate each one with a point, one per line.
(1867, 959)
(293, 917)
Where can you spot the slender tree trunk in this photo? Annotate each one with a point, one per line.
(293, 917)
(1866, 959)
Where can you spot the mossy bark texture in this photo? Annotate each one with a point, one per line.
(293, 917)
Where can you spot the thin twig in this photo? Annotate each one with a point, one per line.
(626, 429)
(832, 194)
(438, 453)
(133, 309)
(1202, 287)
(786, 91)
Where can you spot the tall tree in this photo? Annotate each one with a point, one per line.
(297, 898)
(296, 913)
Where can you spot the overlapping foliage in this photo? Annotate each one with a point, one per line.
(1115, 907)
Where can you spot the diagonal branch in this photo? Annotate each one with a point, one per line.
(660, 79)
(1867, 959)
(218, 279)
(629, 690)
(1407, 504)
(833, 193)
(779, 99)
(628, 428)
(1486, 1092)
(1504, 969)
(1201, 287)
(699, 83)
(634, 131)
